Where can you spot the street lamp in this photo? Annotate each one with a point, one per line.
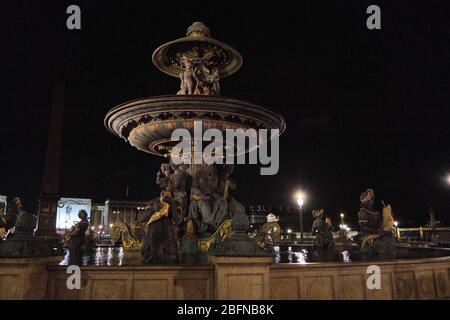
(342, 226)
(397, 231)
(301, 201)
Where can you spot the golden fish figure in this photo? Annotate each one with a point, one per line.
(388, 225)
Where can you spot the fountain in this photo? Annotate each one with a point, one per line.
(192, 218)
(206, 213)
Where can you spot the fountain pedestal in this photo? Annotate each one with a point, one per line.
(242, 267)
(242, 278)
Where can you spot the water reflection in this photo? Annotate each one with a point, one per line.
(114, 256)
(102, 256)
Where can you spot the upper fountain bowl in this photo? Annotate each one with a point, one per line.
(197, 45)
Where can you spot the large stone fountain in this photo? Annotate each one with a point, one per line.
(195, 195)
(241, 267)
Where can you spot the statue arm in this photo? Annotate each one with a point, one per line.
(7, 221)
(76, 229)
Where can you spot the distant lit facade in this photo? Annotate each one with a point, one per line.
(122, 211)
(101, 215)
(67, 212)
(98, 217)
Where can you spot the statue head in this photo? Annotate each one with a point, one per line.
(318, 214)
(15, 205)
(165, 168)
(82, 214)
(367, 198)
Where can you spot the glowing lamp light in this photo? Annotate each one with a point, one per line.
(110, 225)
(289, 231)
(342, 215)
(92, 228)
(396, 224)
(300, 199)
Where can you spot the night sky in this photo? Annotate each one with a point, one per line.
(363, 108)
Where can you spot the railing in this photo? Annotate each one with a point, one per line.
(423, 232)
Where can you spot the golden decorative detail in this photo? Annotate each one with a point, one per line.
(127, 233)
(270, 232)
(221, 233)
(196, 197)
(120, 231)
(388, 219)
(164, 212)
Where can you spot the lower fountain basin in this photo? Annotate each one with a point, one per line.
(421, 274)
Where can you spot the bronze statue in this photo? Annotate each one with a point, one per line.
(211, 203)
(322, 229)
(208, 208)
(77, 235)
(162, 177)
(164, 216)
(21, 243)
(376, 231)
(8, 220)
(179, 180)
(160, 243)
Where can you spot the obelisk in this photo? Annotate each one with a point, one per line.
(46, 225)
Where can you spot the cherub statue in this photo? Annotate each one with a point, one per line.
(207, 80)
(186, 77)
(213, 82)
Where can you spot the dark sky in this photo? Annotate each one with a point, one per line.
(363, 108)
